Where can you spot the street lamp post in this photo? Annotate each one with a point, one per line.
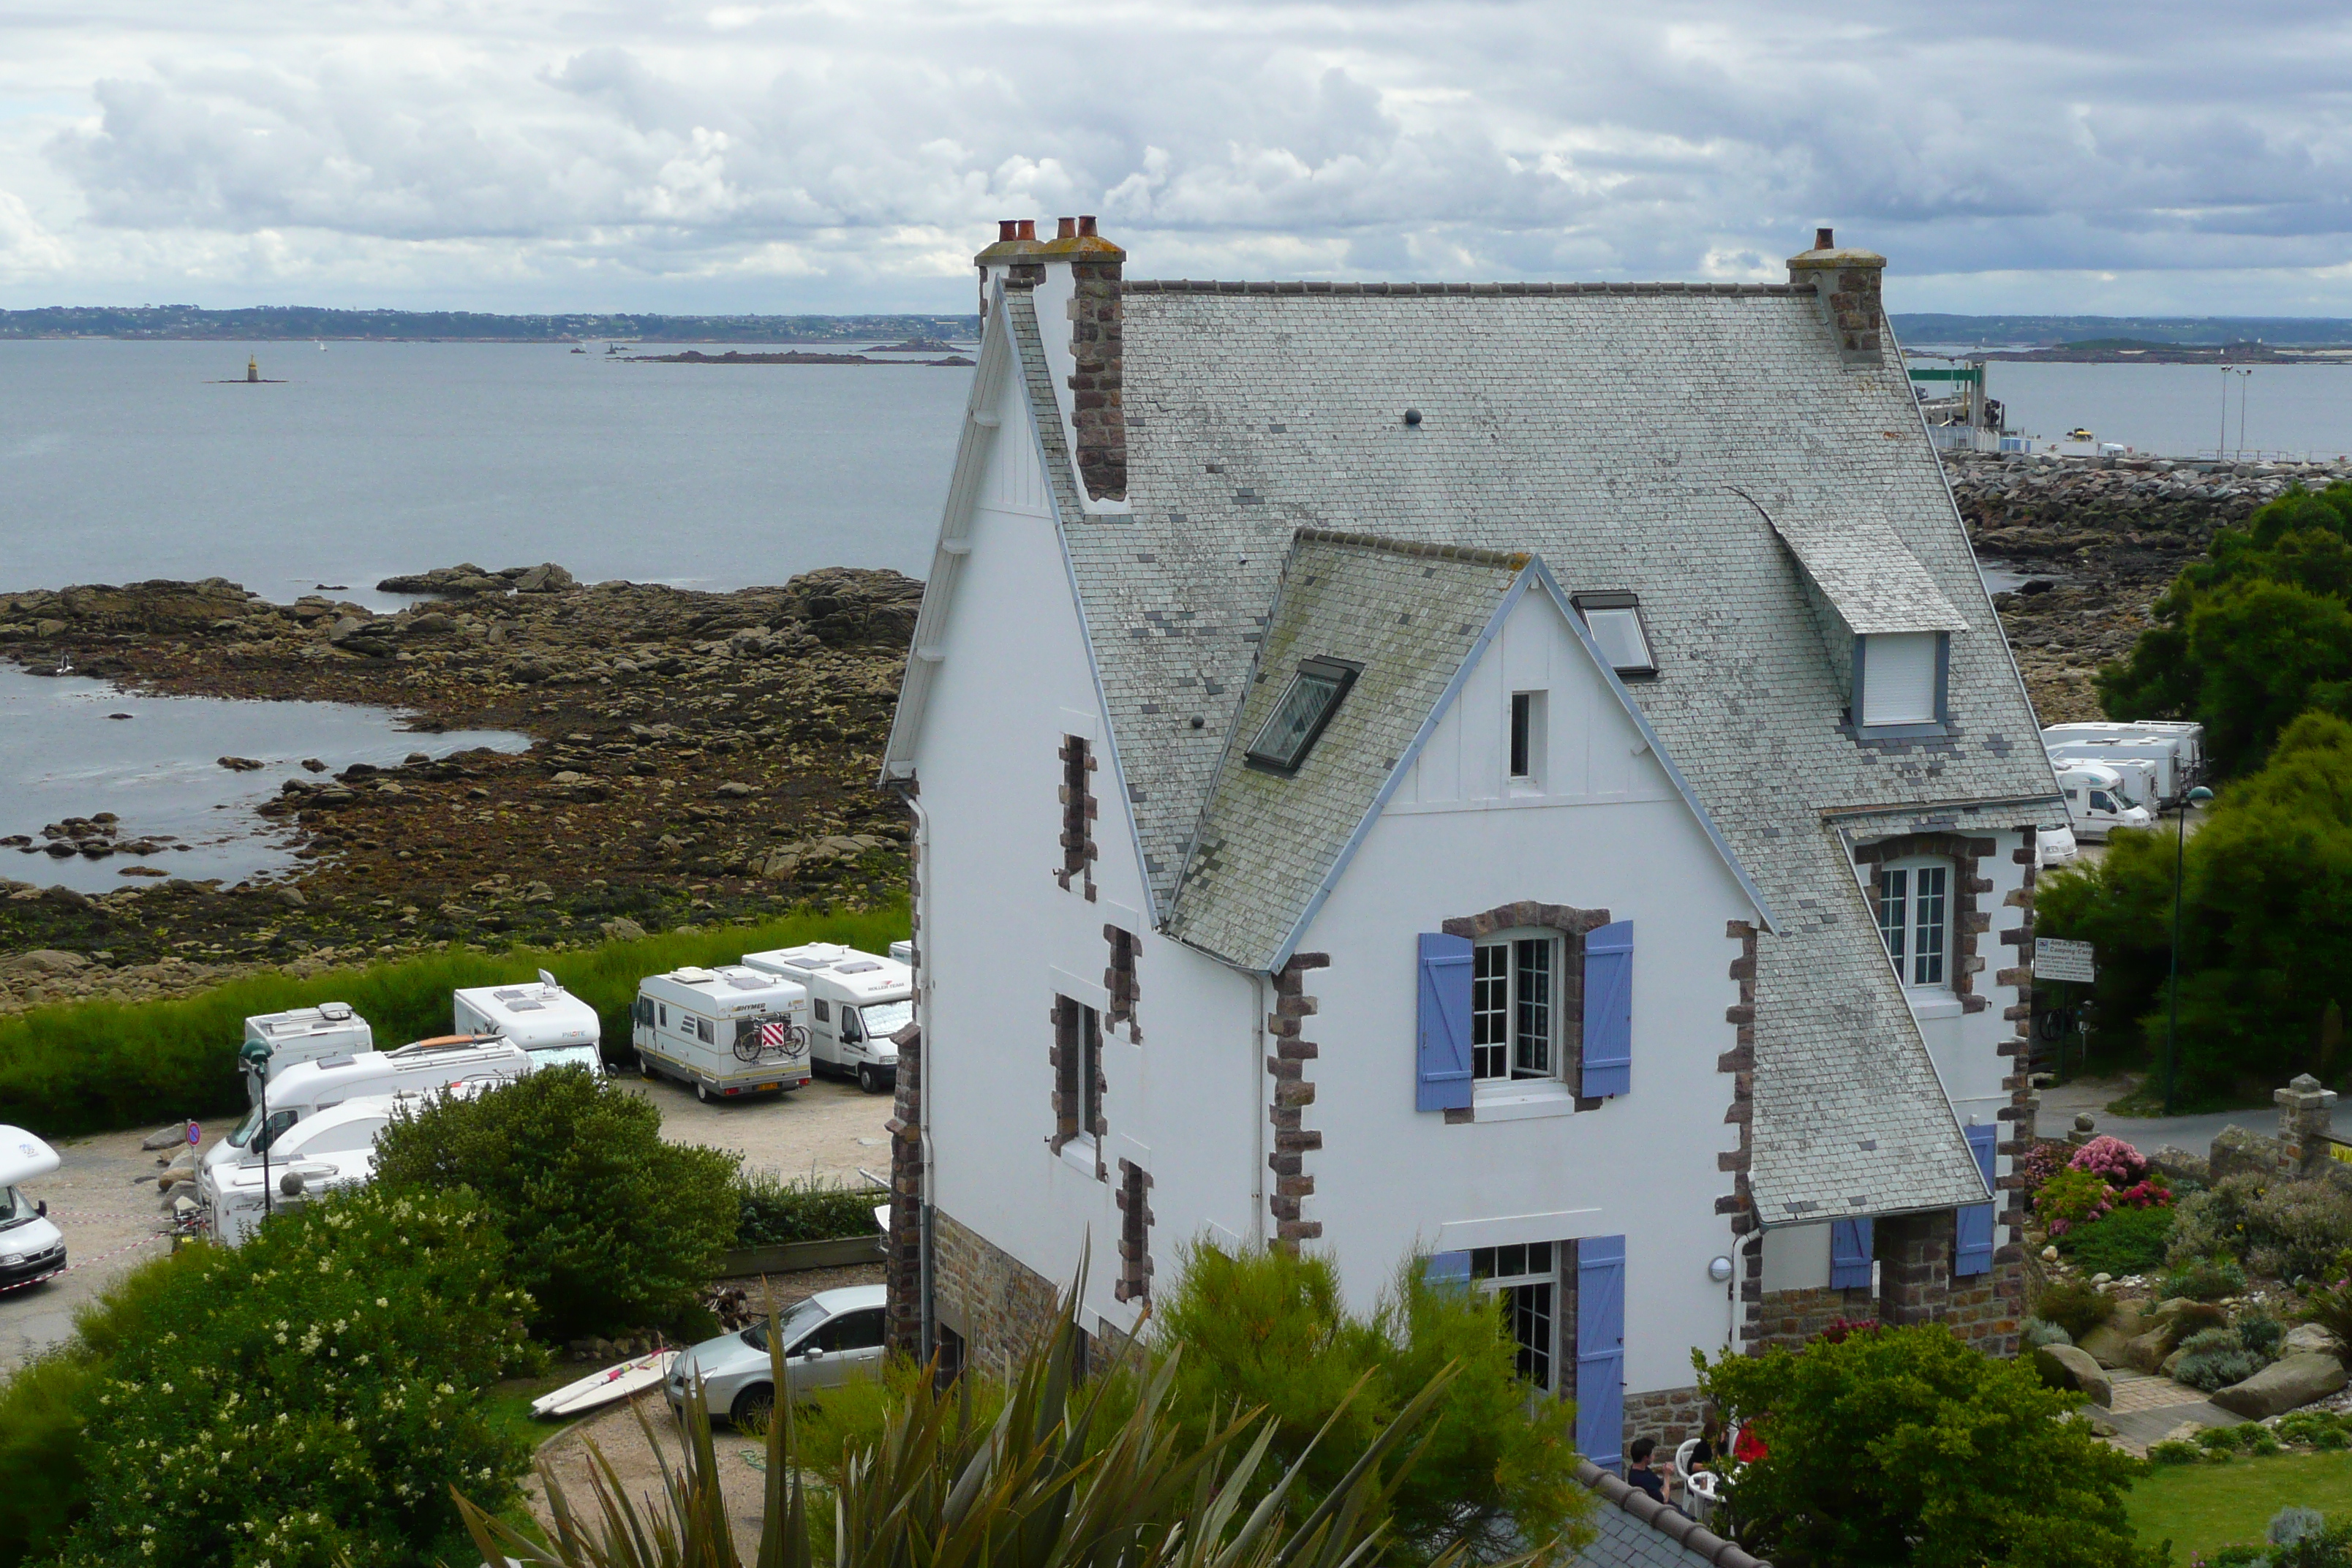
(255, 1056)
(2197, 797)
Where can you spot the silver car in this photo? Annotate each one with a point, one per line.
(829, 1339)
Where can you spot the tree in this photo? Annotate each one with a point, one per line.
(2253, 634)
(611, 1227)
(1267, 1328)
(1902, 1445)
(2265, 931)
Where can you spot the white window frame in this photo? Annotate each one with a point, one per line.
(1528, 1019)
(1526, 741)
(1907, 912)
(1532, 1293)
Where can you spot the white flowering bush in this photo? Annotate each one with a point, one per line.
(315, 1395)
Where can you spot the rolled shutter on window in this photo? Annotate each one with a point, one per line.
(1972, 1249)
(1849, 1249)
(1442, 1051)
(1609, 1010)
(1600, 1351)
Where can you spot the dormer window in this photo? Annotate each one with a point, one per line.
(1900, 677)
(1615, 621)
(1300, 716)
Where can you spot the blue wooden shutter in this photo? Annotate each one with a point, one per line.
(1600, 1351)
(1447, 1270)
(1973, 1253)
(1850, 1243)
(1443, 1056)
(1609, 1010)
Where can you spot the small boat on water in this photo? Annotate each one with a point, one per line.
(601, 1388)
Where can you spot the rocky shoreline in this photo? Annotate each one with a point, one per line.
(695, 757)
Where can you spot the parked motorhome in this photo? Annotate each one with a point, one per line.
(2095, 802)
(555, 1026)
(30, 1246)
(726, 1032)
(2164, 753)
(301, 1035)
(333, 1148)
(2187, 736)
(856, 1002)
(2055, 846)
(309, 1088)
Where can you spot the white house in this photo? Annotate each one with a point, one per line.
(1516, 780)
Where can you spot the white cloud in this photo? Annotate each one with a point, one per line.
(805, 154)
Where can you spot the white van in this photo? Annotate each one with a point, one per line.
(31, 1248)
(2161, 752)
(727, 1032)
(306, 1090)
(2055, 846)
(322, 1153)
(303, 1034)
(555, 1026)
(2095, 801)
(856, 1002)
(2187, 736)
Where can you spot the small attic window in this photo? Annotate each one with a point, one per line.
(1306, 706)
(1615, 623)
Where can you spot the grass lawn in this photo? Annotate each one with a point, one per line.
(508, 1405)
(2202, 1507)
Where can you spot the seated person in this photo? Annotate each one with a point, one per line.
(1641, 1473)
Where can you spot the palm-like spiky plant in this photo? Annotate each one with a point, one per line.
(1054, 1482)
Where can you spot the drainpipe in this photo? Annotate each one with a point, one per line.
(1257, 1102)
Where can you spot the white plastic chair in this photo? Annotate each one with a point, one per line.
(1699, 1493)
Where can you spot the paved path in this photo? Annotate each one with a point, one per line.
(830, 1128)
(2150, 1409)
(2062, 1102)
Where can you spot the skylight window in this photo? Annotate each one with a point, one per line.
(1615, 621)
(1304, 707)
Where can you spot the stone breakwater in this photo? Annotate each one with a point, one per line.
(695, 757)
(2098, 540)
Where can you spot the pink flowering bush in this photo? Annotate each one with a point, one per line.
(2152, 1193)
(2070, 1198)
(2043, 1161)
(2112, 1160)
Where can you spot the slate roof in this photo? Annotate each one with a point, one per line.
(1633, 1530)
(1862, 566)
(1636, 439)
(1410, 616)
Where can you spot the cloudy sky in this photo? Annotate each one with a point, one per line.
(851, 154)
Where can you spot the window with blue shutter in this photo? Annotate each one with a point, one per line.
(1609, 1010)
(1600, 1351)
(1972, 1249)
(1447, 1270)
(1850, 1242)
(1442, 1054)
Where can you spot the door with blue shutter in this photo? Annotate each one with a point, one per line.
(1442, 1053)
(1600, 1351)
(1850, 1243)
(1972, 1249)
(1609, 1010)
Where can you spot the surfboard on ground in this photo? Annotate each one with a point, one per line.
(600, 1388)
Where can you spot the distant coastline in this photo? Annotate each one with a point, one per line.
(694, 356)
(191, 323)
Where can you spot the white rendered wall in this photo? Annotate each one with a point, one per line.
(1001, 938)
(1388, 1178)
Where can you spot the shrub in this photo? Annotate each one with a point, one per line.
(2322, 1547)
(43, 1481)
(2041, 1331)
(2045, 1160)
(2111, 1160)
(611, 1227)
(2203, 1279)
(2070, 1198)
(2173, 1452)
(2075, 1306)
(2262, 1332)
(1260, 1328)
(85, 1067)
(2329, 1302)
(2297, 1228)
(1972, 1461)
(2313, 1429)
(2128, 1241)
(316, 1396)
(2213, 1359)
(2292, 1523)
(2218, 1437)
(2263, 1442)
(774, 1210)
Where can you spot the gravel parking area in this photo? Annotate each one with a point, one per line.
(829, 1127)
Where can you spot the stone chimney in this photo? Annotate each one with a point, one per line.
(1846, 286)
(1075, 276)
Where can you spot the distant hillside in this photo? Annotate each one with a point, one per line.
(274, 322)
(2117, 331)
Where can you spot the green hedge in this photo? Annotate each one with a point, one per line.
(87, 1067)
(779, 1209)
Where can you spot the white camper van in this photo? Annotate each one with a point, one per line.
(31, 1248)
(312, 1087)
(2055, 846)
(555, 1026)
(2187, 736)
(2160, 753)
(856, 1002)
(727, 1032)
(331, 1149)
(303, 1034)
(2095, 801)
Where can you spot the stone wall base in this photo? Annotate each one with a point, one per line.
(1668, 1415)
(1792, 1317)
(1984, 1311)
(998, 1304)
